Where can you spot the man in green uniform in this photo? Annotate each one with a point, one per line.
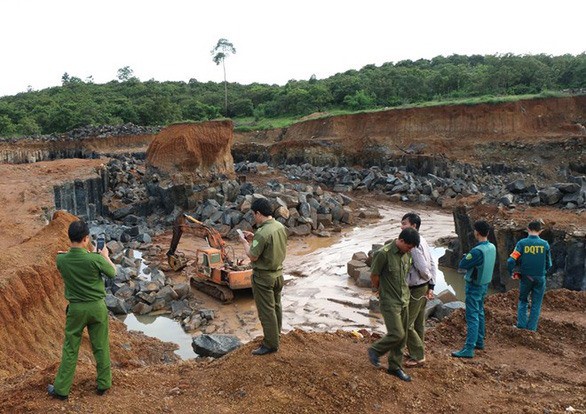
(267, 253)
(534, 256)
(421, 281)
(84, 290)
(389, 275)
(479, 266)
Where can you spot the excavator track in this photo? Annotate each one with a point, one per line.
(220, 292)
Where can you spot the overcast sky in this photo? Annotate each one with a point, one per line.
(275, 40)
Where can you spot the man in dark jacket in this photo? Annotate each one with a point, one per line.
(534, 256)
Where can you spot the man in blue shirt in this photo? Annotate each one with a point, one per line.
(534, 256)
(479, 265)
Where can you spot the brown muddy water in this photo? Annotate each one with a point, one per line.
(318, 295)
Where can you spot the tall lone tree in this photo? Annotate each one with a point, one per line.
(220, 52)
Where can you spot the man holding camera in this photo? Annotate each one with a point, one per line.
(81, 271)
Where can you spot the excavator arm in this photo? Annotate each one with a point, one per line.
(185, 222)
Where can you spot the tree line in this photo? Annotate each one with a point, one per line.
(80, 102)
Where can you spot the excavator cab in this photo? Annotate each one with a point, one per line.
(211, 258)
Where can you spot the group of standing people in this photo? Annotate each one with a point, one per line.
(82, 271)
(403, 272)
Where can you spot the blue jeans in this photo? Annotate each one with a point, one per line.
(475, 295)
(535, 288)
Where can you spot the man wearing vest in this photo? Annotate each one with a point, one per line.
(479, 266)
(389, 275)
(267, 253)
(534, 256)
(84, 290)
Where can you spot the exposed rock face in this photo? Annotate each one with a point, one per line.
(568, 247)
(86, 142)
(197, 149)
(519, 136)
(82, 198)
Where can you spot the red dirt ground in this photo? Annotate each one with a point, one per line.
(313, 372)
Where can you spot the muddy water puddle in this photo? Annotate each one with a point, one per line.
(319, 295)
(163, 328)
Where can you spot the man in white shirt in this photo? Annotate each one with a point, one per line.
(421, 280)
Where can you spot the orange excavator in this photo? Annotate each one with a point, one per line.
(215, 272)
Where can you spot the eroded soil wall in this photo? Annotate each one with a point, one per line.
(194, 148)
(482, 133)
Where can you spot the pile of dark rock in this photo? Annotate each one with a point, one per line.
(139, 286)
(223, 203)
(94, 131)
(303, 209)
(103, 131)
(569, 195)
(498, 185)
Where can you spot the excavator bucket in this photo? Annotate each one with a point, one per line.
(176, 262)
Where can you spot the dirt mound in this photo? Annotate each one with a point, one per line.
(193, 148)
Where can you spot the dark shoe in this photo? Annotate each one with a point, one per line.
(463, 353)
(373, 357)
(399, 373)
(479, 346)
(263, 350)
(100, 391)
(52, 393)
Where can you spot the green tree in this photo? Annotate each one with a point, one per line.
(6, 126)
(220, 52)
(28, 126)
(125, 74)
(360, 100)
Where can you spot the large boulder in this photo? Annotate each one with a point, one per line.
(116, 305)
(445, 309)
(215, 345)
(353, 268)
